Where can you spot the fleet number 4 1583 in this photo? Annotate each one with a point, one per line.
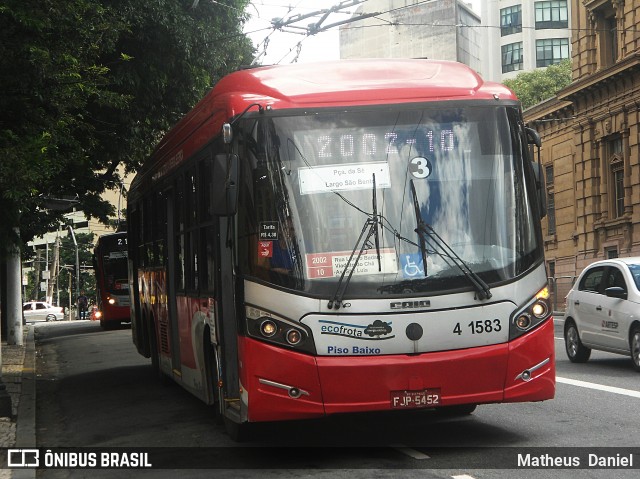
(479, 327)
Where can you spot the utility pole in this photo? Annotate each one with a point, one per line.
(55, 270)
(75, 243)
(14, 295)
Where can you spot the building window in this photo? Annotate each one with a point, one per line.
(510, 20)
(611, 253)
(605, 29)
(551, 202)
(616, 175)
(551, 51)
(552, 14)
(611, 40)
(512, 57)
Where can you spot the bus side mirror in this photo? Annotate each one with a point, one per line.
(225, 198)
(541, 191)
(533, 137)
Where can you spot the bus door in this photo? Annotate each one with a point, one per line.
(175, 244)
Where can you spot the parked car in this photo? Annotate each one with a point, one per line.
(42, 311)
(603, 311)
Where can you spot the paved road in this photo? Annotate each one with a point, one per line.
(94, 390)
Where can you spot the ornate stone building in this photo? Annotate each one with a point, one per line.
(591, 143)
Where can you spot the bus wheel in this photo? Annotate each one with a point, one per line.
(576, 351)
(155, 354)
(238, 432)
(458, 410)
(213, 379)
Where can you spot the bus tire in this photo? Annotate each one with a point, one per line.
(155, 354)
(213, 390)
(237, 431)
(457, 410)
(576, 351)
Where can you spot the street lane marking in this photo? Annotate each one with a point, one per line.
(463, 476)
(599, 387)
(410, 452)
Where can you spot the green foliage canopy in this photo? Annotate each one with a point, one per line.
(541, 84)
(89, 87)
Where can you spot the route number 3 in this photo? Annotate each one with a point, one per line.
(420, 167)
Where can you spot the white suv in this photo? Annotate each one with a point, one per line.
(41, 311)
(603, 311)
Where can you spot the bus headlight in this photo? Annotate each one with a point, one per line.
(535, 311)
(268, 328)
(112, 301)
(294, 337)
(279, 331)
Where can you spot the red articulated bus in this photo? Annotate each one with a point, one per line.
(348, 236)
(112, 280)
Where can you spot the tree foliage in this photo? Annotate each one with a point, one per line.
(541, 84)
(89, 87)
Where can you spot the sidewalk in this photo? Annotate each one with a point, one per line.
(18, 375)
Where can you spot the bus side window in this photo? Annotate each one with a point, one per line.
(179, 234)
(191, 231)
(207, 224)
(207, 258)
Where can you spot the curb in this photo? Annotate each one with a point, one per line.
(26, 416)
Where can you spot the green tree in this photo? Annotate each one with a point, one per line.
(541, 84)
(91, 85)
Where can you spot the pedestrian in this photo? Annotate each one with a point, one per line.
(83, 302)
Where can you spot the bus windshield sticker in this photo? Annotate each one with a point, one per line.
(268, 230)
(265, 249)
(412, 267)
(330, 265)
(343, 177)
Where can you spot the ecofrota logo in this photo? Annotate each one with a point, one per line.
(23, 458)
(378, 330)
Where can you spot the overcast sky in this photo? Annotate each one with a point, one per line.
(282, 47)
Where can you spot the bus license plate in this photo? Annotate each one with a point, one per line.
(415, 399)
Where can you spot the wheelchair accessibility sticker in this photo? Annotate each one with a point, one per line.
(411, 265)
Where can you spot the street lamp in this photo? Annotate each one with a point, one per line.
(75, 243)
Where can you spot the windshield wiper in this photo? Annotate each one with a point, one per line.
(372, 223)
(426, 233)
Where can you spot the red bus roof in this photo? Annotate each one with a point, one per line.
(319, 85)
(359, 82)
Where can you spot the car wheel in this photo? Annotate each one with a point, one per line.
(634, 342)
(51, 317)
(576, 351)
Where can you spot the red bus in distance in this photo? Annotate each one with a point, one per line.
(112, 280)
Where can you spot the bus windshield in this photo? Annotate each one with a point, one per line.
(307, 199)
(115, 265)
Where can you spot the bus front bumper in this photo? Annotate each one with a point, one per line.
(279, 384)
